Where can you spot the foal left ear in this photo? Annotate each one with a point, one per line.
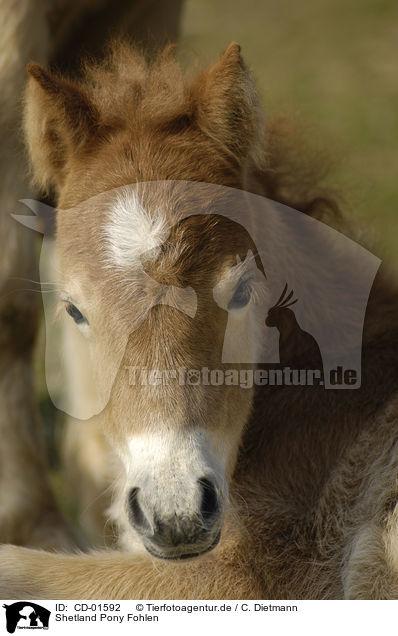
(227, 103)
(59, 120)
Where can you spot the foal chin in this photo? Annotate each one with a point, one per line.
(174, 494)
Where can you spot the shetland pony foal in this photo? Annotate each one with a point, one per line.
(311, 510)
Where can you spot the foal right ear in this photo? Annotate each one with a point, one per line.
(59, 118)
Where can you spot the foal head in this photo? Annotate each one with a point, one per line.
(150, 284)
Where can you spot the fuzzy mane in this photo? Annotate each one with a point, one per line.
(160, 91)
(126, 94)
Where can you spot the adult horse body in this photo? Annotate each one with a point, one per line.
(284, 492)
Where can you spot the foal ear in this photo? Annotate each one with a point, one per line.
(59, 118)
(228, 107)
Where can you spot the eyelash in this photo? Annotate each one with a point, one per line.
(242, 294)
(74, 312)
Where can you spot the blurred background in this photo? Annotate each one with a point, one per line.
(333, 65)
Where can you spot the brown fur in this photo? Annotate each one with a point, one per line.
(42, 30)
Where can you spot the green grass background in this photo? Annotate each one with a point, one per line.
(334, 63)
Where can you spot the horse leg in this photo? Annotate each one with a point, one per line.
(371, 569)
(230, 571)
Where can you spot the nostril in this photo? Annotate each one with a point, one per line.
(209, 505)
(135, 512)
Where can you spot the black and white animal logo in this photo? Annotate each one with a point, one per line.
(26, 615)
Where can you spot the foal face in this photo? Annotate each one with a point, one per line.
(155, 323)
(127, 265)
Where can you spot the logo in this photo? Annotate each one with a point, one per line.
(26, 615)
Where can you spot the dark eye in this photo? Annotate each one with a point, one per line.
(75, 314)
(242, 294)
